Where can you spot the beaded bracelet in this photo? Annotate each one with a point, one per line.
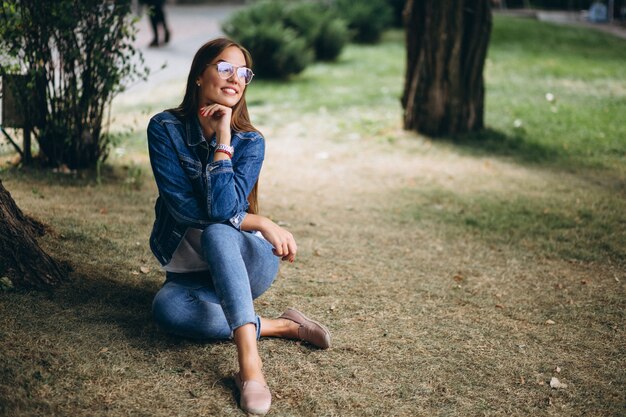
(230, 155)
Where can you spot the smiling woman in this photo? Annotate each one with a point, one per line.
(218, 253)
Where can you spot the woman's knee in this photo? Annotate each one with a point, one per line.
(177, 311)
(219, 237)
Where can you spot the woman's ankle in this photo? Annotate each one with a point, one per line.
(290, 329)
(251, 368)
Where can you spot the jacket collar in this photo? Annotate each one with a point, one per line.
(194, 132)
(194, 135)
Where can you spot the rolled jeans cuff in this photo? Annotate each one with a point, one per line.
(257, 323)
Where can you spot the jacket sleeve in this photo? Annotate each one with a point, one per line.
(230, 182)
(174, 186)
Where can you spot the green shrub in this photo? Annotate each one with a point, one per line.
(332, 37)
(326, 34)
(284, 36)
(75, 56)
(397, 7)
(366, 19)
(277, 50)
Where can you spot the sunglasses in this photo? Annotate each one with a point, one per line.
(226, 70)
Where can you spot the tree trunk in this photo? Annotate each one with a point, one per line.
(446, 43)
(21, 258)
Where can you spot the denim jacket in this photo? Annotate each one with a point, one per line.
(194, 191)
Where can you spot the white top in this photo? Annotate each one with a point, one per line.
(188, 255)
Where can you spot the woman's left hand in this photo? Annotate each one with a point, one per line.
(282, 240)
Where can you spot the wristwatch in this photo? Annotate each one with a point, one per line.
(227, 149)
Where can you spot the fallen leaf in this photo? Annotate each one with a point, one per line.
(104, 210)
(499, 306)
(557, 370)
(144, 269)
(135, 273)
(522, 380)
(317, 252)
(550, 322)
(104, 350)
(556, 384)
(458, 277)
(6, 283)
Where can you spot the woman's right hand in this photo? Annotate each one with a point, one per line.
(282, 240)
(218, 117)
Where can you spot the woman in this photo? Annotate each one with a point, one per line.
(219, 254)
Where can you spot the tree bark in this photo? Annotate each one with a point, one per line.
(21, 258)
(446, 43)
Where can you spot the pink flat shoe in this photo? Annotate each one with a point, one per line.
(255, 397)
(309, 330)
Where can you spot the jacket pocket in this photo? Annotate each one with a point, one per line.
(192, 168)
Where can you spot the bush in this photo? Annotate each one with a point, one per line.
(75, 55)
(397, 7)
(333, 36)
(276, 50)
(285, 36)
(366, 19)
(327, 35)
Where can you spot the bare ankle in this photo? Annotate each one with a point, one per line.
(290, 328)
(250, 367)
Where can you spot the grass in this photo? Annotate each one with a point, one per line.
(437, 264)
(585, 73)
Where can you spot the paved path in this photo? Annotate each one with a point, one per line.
(191, 26)
(566, 18)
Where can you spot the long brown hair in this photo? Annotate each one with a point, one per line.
(240, 120)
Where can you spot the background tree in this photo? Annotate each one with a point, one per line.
(75, 55)
(22, 260)
(446, 45)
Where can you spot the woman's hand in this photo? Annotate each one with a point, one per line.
(282, 240)
(218, 117)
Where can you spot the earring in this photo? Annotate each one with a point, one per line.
(198, 83)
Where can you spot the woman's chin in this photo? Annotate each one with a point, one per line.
(228, 101)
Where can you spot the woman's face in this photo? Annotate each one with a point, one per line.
(214, 89)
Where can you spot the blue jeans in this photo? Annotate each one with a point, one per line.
(212, 304)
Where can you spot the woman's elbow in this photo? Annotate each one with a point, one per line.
(220, 214)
